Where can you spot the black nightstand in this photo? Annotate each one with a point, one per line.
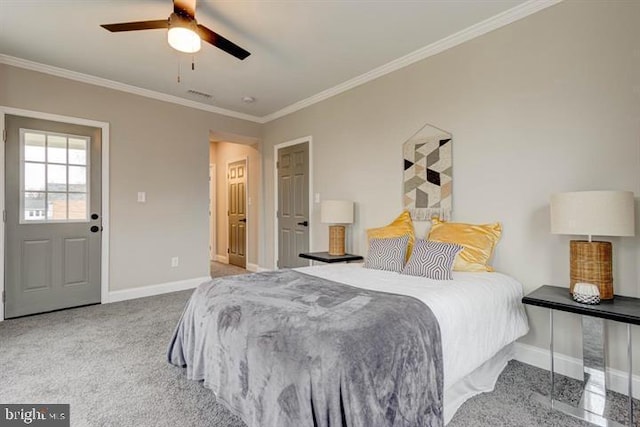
(620, 309)
(325, 257)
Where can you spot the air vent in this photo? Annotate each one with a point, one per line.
(198, 93)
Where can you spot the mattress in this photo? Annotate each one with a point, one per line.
(478, 313)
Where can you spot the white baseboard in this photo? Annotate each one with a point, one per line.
(255, 268)
(222, 258)
(150, 290)
(571, 367)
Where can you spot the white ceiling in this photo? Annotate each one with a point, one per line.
(298, 48)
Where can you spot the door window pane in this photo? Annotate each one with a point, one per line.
(77, 206)
(78, 179)
(34, 176)
(56, 178)
(57, 206)
(56, 149)
(34, 147)
(77, 151)
(34, 206)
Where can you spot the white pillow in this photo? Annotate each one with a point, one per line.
(387, 254)
(433, 260)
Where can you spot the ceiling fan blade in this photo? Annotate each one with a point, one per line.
(135, 26)
(221, 43)
(185, 8)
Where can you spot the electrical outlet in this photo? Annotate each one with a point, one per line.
(142, 197)
(175, 261)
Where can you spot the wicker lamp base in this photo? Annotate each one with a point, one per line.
(336, 240)
(591, 263)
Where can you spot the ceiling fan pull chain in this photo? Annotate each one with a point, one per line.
(193, 63)
(178, 70)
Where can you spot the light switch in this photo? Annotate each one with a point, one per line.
(142, 197)
(316, 198)
(249, 201)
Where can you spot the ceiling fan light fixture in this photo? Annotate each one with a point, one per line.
(182, 34)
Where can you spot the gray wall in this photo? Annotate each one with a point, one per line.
(157, 147)
(547, 104)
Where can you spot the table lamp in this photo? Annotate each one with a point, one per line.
(336, 212)
(593, 213)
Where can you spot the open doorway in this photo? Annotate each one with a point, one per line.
(234, 166)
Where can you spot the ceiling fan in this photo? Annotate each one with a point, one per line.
(184, 32)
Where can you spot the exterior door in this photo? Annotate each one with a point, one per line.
(53, 216)
(237, 182)
(293, 205)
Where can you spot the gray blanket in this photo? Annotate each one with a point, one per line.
(284, 349)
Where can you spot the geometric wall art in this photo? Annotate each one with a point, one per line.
(428, 175)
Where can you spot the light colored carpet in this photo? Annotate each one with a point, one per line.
(108, 361)
(219, 269)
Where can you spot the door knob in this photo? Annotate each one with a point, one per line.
(304, 223)
(94, 229)
(94, 216)
(242, 220)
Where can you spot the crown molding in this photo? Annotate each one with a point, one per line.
(111, 84)
(502, 19)
(505, 18)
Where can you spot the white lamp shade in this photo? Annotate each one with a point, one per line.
(336, 212)
(593, 213)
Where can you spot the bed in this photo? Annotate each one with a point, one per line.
(412, 350)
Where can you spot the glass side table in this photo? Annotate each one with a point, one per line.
(620, 309)
(325, 257)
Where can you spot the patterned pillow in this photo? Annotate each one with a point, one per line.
(387, 254)
(433, 260)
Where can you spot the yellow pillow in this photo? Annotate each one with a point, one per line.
(478, 241)
(400, 226)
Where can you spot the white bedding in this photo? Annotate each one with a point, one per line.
(478, 313)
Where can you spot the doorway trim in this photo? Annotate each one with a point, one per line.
(104, 128)
(277, 147)
(213, 207)
(246, 205)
